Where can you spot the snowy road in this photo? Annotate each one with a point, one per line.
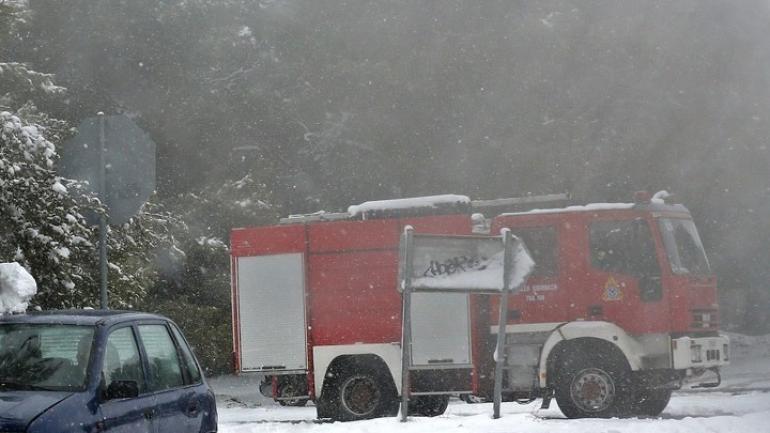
(740, 405)
(712, 412)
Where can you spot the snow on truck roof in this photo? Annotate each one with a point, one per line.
(592, 207)
(432, 201)
(460, 203)
(387, 208)
(578, 208)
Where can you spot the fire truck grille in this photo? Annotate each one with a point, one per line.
(705, 319)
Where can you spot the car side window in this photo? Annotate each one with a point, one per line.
(193, 373)
(121, 359)
(162, 357)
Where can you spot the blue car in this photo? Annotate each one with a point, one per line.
(100, 371)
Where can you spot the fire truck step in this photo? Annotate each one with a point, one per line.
(454, 393)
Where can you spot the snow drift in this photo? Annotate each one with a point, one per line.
(17, 287)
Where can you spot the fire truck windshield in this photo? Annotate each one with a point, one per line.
(683, 247)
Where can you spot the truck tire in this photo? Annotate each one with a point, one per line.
(593, 385)
(359, 393)
(429, 405)
(650, 402)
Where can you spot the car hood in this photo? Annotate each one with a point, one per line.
(19, 408)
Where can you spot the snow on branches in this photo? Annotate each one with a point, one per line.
(41, 227)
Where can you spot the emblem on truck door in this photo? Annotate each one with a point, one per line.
(612, 290)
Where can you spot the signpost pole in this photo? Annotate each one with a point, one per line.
(406, 333)
(500, 352)
(103, 299)
(123, 179)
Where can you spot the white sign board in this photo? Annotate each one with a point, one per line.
(465, 263)
(457, 265)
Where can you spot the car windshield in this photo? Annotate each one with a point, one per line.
(44, 356)
(683, 247)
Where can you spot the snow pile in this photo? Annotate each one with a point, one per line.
(749, 362)
(702, 412)
(480, 224)
(17, 287)
(660, 197)
(408, 203)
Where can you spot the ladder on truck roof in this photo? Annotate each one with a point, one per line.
(491, 207)
(486, 209)
(315, 217)
(517, 204)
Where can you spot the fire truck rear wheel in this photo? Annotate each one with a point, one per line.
(650, 402)
(362, 393)
(429, 405)
(591, 385)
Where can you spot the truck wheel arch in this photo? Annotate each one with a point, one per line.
(598, 335)
(382, 357)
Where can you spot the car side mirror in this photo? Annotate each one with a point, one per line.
(120, 389)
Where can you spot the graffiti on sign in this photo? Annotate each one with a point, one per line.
(454, 265)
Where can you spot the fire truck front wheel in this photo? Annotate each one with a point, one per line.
(593, 385)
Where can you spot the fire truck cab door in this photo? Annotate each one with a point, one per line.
(271, 303)
(623, 281)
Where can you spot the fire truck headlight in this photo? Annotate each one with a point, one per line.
(695, 353)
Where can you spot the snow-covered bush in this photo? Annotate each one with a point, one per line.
(41, 226)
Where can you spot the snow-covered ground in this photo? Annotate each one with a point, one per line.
(741, 404)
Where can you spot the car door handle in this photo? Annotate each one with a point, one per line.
(149, 414)
(192, 408)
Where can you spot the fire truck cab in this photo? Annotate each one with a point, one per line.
(619, 311)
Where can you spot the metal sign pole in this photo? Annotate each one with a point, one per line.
(103, 300)
(406, 326)
(500, 354)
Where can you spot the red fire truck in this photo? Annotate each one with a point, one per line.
(620, 309)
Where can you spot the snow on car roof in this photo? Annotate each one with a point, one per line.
(79, 317)
(408, 203)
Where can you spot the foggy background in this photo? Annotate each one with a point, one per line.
(326, 103)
